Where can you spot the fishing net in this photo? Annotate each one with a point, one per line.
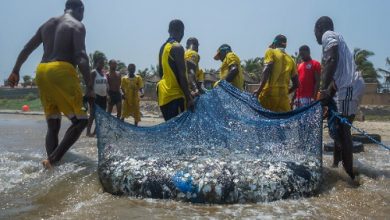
(230, 150)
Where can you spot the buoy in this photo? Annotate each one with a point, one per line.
(25, 108)
(357, 147)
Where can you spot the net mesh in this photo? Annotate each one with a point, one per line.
(228, 150)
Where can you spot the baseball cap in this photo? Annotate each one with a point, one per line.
(222, 48)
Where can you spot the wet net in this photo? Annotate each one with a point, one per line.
(230, 150)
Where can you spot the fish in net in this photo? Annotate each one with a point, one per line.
(229, 150)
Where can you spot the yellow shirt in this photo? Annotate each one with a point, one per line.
(131, 86)
(168, 87)
(193, 57)
(199, 75)
(232, 59)
(283, 69)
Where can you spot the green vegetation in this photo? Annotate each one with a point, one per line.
(365, 66)
(16, 104)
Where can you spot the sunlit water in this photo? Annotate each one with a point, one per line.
(73, 190)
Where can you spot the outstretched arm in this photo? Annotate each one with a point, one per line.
(34, 42)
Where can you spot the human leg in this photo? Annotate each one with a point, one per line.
(172, 109)
(71, 136)
(53, 128)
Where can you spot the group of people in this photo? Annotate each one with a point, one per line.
(111, 88)
(63, 38)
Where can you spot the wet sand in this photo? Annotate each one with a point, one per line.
(72, 190)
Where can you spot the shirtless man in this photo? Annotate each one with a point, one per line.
(114, 83)
(63, 41)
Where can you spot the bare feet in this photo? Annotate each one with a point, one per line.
(47, 165)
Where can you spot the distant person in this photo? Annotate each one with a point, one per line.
(280, 69)
(309, 79)
(174, 95)
(341, 89)
(100, 87)
(63, 41)
(230, 70)
(132, 88)
(192, 59)
(114, 93)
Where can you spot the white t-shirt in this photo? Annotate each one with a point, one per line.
(100, 84)
(346, 75)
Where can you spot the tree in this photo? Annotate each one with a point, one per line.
(143, 73)
(365, 66)
(253, 67)
(95, 55)
(154, 70)
(121, 67)
(26, 80)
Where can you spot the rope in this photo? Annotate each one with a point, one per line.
(345, 121)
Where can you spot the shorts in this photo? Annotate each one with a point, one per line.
(172, 109)
(348, 99)
(115, 97)
(101, 101)
(60, 91)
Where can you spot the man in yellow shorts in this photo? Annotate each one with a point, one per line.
(195, 74)
(231, 69)
(63, 41)
(173, 93)
(132, 89)
(280, 68)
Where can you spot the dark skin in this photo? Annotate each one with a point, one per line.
(329, 62)
(63, 39)
(99, 70)
(131, 69)
(343, 144)
(233, 69)
(305, 55)
(177, 52)
(191, 68)
(114, 83)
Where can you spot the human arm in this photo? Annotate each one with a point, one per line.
(264, 78)
(81, 57)
(317, 78)
(32, 44)
(233, 71)
(177, 53)
(295, 84)
(328, 88)
(191, 70)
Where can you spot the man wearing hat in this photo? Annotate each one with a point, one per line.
(279, 69)
(231, 70)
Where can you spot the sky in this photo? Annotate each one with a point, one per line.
(133, 31)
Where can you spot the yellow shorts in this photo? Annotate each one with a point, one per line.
(275, 99)
(60, 90)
